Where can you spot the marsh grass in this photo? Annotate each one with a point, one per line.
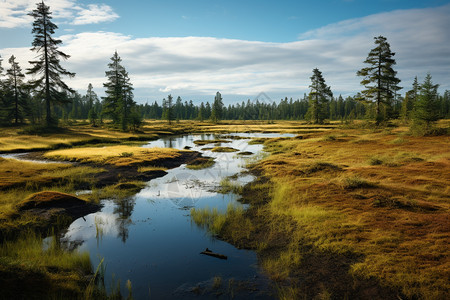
(224, 149)
(329, 138)
(60, 272)
(206, 142)
(355, 182)
(114, 155)
(387, 216)
(227, 185)
(215, 221)
(144, 169)
(201, 163)
(398, 159)
(118, 191)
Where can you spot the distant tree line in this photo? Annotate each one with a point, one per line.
(46, 99)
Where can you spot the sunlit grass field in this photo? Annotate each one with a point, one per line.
(15, 139)
(378, 194)
(115, 155)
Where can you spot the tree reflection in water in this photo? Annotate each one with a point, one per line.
(124, 209)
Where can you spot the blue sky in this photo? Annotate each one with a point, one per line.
(241, 48)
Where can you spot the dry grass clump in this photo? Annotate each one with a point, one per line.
(224, 149)
(116, 155)
(201, 163)
(48, 199)
(395, 160)
(206, 142)
(355, 182)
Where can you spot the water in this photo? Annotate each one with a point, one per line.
(149, 238)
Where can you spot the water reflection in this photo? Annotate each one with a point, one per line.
(148, 238)
(124, 209)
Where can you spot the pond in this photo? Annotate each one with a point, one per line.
(149, 238)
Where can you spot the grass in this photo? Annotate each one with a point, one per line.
(114, 155)
(227, 186)
(206, 142)
(17, 139)
(118, 191)
(231, 223)
(224, 149)
(373, 211)
(19, 179)
(201, 163)
(29, 270)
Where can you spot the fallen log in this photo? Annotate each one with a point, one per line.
(213, 254)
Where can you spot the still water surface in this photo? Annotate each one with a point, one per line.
(149, 238)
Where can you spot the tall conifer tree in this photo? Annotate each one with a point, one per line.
(15, 83)
(47, 66)
(119, 93)
(426, 109)
(319, 97)
(217, 108)
(380, 78)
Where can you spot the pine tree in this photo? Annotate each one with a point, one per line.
(47, 66)
(2, 96)
(380, 78)
(127, 103)
(91, 96)
(319, 97)
(217, 108)
(168, 113)
(119, 93)
(15, 83)
(426, 109)
(201, 112)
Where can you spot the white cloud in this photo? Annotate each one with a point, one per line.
(14, 13)
(95, 14)
(196, 66)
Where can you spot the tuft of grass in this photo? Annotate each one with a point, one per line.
(233, 224)
(217, 282)
(224, 149)
(355, 182)
(227, 186)
(329, 138)
(206, 142)
(396, 160)
(118, 191)
(399, 141)
(144, 169)
(201, 163)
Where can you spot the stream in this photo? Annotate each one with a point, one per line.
(149, 238)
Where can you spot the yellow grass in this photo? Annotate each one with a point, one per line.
(18, 179)
(116, 155)
(329, 194)
(367, 208)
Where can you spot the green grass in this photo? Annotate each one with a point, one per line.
(227, 186)
(37, 271)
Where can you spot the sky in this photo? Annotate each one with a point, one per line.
(244, 49)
